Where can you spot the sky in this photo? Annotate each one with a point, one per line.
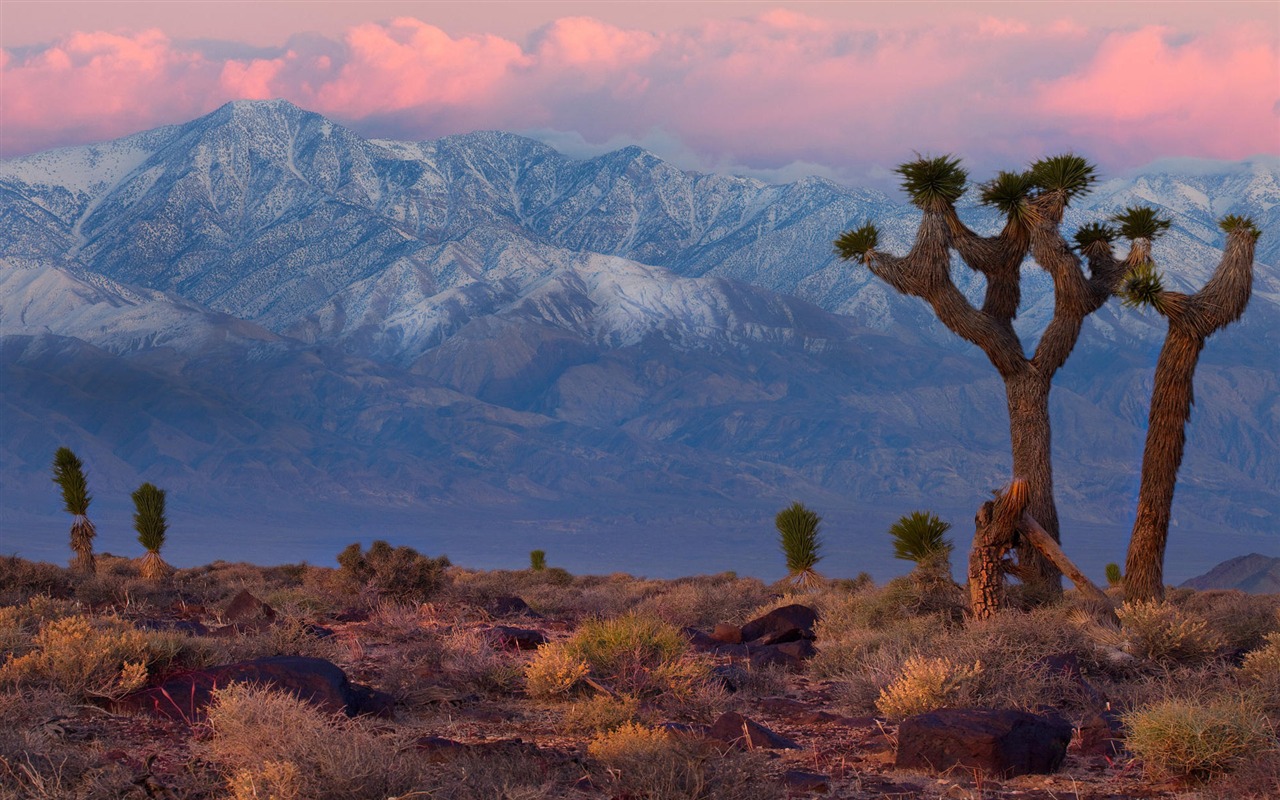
(776, 90)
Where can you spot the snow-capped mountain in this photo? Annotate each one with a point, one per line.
(482, 324)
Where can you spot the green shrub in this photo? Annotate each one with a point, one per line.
(920, 536)
(641, 762)
(399, 572)
(600, 713)
(1114, 575)
(537, 560)
(635, 655)
(1196, 740)
(83, 656)
(554, 673)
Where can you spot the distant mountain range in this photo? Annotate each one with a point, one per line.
(1254, 573)
(480, 345)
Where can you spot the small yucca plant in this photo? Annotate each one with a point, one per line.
(150, 523)
(537, 560)
(920, 537)
(68, 473)
(798, 529)
(1114, 576)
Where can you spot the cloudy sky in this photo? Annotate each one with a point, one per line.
(774, 89)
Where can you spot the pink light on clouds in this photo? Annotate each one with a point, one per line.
(758, 92)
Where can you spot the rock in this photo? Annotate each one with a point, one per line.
(1102, 735)
(999, 742)
(244, 608)
(726, 633)
(800, 781)
(735, 729)
(780, 623)
(789, 655)
(187, 696)
(518, 638)
(511, 606)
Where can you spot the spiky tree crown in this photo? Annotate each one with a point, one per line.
(919, 536)
(1141, 222)
(798, 528)
(1235, 222)
(858, 243)
(1008, 192)
(933, 182)
(537, 560)
(1143, 286)
(1069, 175)
(148, 519)
(68, 473)
(1095, 233)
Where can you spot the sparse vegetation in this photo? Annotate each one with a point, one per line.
(398, 572)
(614, 703)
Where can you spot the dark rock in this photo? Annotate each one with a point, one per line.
(245, 608)
(735, 729)
(799, 781)
(1102, 735)
(789, 655)
(318, 631)
(518, 638)
(730, 676)
(780, 622)
(998, 742)
(726, 633)
(511, 606)
(186, 696)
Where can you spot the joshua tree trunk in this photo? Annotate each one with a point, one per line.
(1192, 319)
(1034, 204)
(82, 533)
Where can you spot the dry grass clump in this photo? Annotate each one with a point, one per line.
(1261, 671)
(704, 601)
(89, 657)
(641, 762)
(1164, 633)
(471, 660)
(927, 684)
(637, 655)
(1241, 620)
(1196, 740)
(271, 744)
(600, 713)
(555, 673)
(21, 579)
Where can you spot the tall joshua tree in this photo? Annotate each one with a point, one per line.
(1192, 319)
(68, 473)
(1033, 204)
(150, 523)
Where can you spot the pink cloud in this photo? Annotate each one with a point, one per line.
(760, 92)
(1217, 94)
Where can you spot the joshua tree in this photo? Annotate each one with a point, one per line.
(798, 535)
(149, 521)
(537, 560)
(1033, 203)
(68, 473)
(1114, 576)
(920, 537)
(1192, 319)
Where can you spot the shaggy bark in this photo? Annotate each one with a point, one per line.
(1192, 319)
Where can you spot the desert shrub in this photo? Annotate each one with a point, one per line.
(927, 591)
(1241, 620)
(843, 649)
(1164, 633)
(1194, 739)
(537, 560)
(470, 658)
(920, 537)
(641, 762)
(85, 657)
(270, 743)
(554, 673)
(21, 580)
(600, 713)
(1254, 778)
(704, 601)
(399, 572)
(926, 684)
(1261, 668)
(636, 655)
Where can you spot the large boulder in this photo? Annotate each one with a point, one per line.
(735, 729)
(1000, 743)
(785, 624)
(186, 696)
